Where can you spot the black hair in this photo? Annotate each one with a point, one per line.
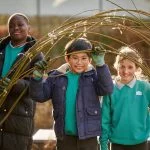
(78, 44)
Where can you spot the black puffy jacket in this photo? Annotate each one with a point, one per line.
(16, 132)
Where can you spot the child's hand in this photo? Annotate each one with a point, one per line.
(4, 83)
(98, 56)
(40, 67)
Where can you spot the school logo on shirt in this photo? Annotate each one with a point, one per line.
(138, 93)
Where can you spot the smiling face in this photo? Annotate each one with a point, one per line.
(78, 62)
(126, 70)
(18, 30)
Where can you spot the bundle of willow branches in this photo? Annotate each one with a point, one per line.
(89, 27)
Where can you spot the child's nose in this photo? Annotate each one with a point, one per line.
(16, 27)
(79, 60)
(125, 70)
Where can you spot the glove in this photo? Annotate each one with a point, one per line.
(4, 83)
(98, 56)
(40, 67)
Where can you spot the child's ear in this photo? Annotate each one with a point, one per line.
(90, 60)
(66, 58)
(29, 29)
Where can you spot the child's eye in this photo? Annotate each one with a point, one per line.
(13, 25)
(20, 25)
(84, 58)
(130, 67)
(121, 67)
(75, 58)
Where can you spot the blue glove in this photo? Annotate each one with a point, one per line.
(40, 67)
(98, 56)
(4, 83)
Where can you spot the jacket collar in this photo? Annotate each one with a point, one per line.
(4, 42)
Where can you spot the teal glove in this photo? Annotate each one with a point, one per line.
(4, 83)
(98, 56)
(40, 67)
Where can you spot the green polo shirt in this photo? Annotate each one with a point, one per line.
(10, 56)
(70, 114)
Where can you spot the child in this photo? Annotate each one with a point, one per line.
(125, 116)
(16, 131)
(75, 88)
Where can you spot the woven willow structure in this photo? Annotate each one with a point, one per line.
(52, 44)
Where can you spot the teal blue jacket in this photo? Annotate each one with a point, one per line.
(125, 115)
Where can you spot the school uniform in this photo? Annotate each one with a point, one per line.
(85, 105)
(125, 115)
